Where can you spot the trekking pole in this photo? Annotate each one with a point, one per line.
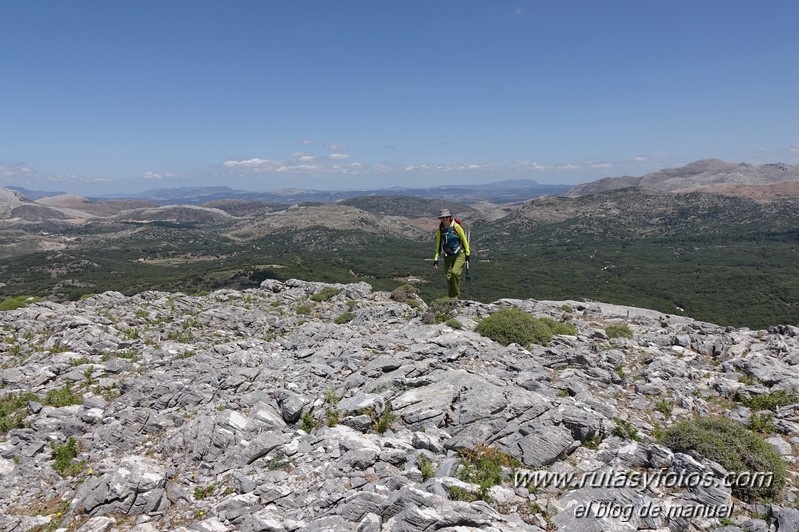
(468, 239)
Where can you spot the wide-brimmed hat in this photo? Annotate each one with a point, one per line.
(444, 213)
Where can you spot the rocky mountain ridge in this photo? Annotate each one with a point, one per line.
(499, 192)
(759, 181)
(206, 205)
(306, 406)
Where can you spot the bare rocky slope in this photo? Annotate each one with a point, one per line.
(305, 406)
(709, 175)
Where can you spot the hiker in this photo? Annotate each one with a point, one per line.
(451, 239)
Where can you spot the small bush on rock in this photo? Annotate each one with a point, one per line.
(403, 293)
(558, 327)
(618, 330)
(60, 397)
(736, 448)
(64, 456)
(13, 303)
(455, 324)
(325, 294)
(344, 317)
(513, 325)
(13, 410)
(770, 401)
(426, 467)
(308, 423)
(626, 430)
(483, 466)
(438, 311)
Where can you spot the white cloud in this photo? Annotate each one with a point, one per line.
(304, 164)
(72, 178)
(305, 142)
(529, 165)
(303, 157)
(297, 168)
(251, 163)
(152, 175)
(15, 171)
(337, 147)
(795, 148)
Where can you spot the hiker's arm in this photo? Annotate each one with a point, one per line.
(438, 245)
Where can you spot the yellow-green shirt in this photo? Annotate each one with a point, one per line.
(461, 234)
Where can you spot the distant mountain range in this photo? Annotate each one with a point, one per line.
(762, 182)
(497, 192)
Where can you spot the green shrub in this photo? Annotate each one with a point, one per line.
(331, 396)
(558, 327)
(664, 406)
(62, 397)
(303, 310)
(325, 294)
(385, 420)
(381, 422)
(426, 467)
(438, 311)
(626, 430)
(308, 422)
(183, 337)
(344, 317)
(455, 324)
(201, 492)
(483, 466)
(770, 401)
(13, 410)
(762, 422)
(403, 293)
(619, 330)
(58, 347)
(749, 380)
(18, 302)
(513, 325)
(332, 417)
(64, 456)
(736, 448)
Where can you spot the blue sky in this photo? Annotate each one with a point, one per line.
(99, 97)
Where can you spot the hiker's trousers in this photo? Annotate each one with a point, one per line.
(453, 266)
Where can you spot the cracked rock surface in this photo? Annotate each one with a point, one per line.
(260, 410)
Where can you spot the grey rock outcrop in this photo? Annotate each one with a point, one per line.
(232, 412)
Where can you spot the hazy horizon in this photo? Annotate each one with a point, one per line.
(106, 98)
(134, 193)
